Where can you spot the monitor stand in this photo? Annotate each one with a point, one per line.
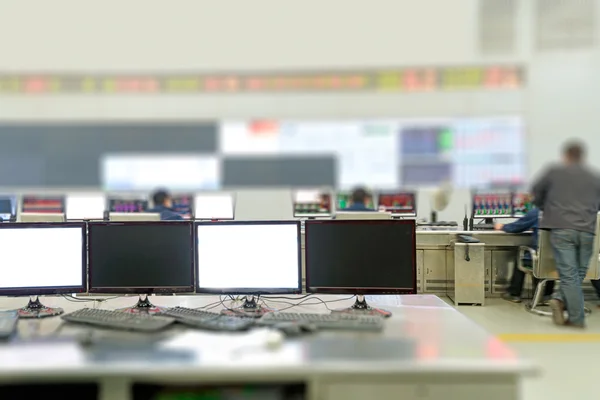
(250, 309)
(360, 307)
(35, 309)
(143, 306)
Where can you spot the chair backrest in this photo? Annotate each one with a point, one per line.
(545, 268)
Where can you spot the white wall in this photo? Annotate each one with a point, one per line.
(183, 35)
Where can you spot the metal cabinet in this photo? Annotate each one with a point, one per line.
(434, 263)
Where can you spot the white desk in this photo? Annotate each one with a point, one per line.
(427, 351)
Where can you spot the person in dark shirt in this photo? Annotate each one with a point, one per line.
(569, 196)
(528, 222)
(163, 205)
(359, 200)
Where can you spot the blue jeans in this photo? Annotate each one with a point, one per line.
(572, 253)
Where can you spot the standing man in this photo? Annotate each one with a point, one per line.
(569, 197)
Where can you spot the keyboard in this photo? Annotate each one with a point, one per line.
(118, 320)
(483, 227)
(207, 320)
(347, 322)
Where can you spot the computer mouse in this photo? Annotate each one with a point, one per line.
(292, 329)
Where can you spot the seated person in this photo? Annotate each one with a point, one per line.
(163, 205)
(358, 200)
(527, 222)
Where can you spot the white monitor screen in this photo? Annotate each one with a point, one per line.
(42, 260)
(85, 206)
(215, 206)
(254, 258)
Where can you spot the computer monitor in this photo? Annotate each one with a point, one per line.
(363, 215)
(311, 203)
(183, 204)
(85, 206)
(492, 205)
(344, 200)
(127, 205)
(141, 258)
(42, 204)
(214, 206)
(133, 217)
(41, 217)
(522, 203)
(361, 257)
(397, 203)
(42, 259)
(8, 208)
(250, 258)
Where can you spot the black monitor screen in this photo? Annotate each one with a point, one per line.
(360, 256)
(127, 205)
(141, 257)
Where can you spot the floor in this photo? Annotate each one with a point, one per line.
(567, 356)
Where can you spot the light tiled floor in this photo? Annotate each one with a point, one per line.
(569, 358)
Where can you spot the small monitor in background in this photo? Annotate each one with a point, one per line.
(522, 203)
(42, 259)
(7, 208)
(249, 258)
(361, 257)
(183, 205)
(218, 206)
(311, 203)
(82, 206)
(133, 217)
(141, 258)
(344, 200)
(397, 203)
(492, 205)
(123, 205)
(43, 204)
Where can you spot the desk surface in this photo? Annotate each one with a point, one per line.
(424, 335)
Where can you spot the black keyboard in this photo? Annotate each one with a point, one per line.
(118, 320)
(207, 320)
(439, 224)
(348, 322)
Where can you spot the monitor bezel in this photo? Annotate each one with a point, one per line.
(139, 290)
(41, 291)
(412, 213)
(249, 291)
(59, 197)
(361, 290)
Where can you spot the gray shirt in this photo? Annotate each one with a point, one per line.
(569, 196)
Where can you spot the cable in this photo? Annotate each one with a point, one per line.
(306, 300)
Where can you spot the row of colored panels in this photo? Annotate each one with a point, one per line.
(425, 79)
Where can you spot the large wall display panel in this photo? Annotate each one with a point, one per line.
(422, 79)
(70, 154)
(149, 171)
(390, 153)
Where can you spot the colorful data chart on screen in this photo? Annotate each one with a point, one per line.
(522, 203)
(344, 200)
(494, 205)
(43, 204)
(397, 203)
(127, 205)
(152, 171)
(311, 203)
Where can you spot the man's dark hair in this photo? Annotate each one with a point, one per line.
(160, 197)
(574, 151)
(359, 196)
